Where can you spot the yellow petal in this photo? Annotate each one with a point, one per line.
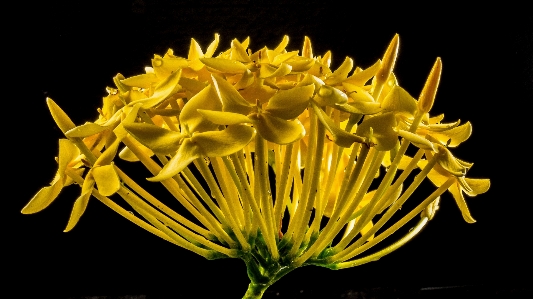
(43, 198)
(284, 57)
(85, 130)
(455, 190)
(131, 115)
(81, 202)
(268, 71)
(67, 153)
(206, 99)
(224, 118)
(300, 64)
(257, 92)
(164, 67)
(455, 136)
(238, 52)
(224, 65)
(330, 96)
(224, 143)
(399, 100)
(380, 130)
(340, 137)
(246, 80)
(212, 47)
(231, 99)
(187, 153)
(106, 179)
(164, 89)
(451, 164)
(278, 130)
(478, 186)
(60, 117)
(159, 140)
(289, 104)
(341, 73)
(143, 80)
(283, 44)
(362, 77)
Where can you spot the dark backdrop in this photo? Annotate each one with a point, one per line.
(70, 52)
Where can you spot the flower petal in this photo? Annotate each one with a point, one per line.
(143, 80)
(478, 186)
(399, 100)
(43, 198)
(231, 99)
(289, 104)
(164, 89)
(81, 202)
(330, 96)
(224, 118)
(206, 99)
(360, 78)
(380, 131)
(187, 153)
(224, 65)
(341, 73)
(455, 190)
(106, 179)
(159, 140)
(225, 142)
(277, 130)
(268, 71)
(340, 137)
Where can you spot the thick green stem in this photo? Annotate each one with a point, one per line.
(255, 290)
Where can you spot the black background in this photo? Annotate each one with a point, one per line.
(71, 51)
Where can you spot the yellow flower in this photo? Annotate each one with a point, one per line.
(273, 152)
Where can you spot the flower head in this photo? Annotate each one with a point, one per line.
(272, 151)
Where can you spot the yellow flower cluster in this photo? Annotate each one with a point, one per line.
(283, 143)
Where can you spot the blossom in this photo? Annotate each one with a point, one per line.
(273, 153)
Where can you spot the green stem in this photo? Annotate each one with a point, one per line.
(255, 290)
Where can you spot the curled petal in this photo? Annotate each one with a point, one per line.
(360, 78)
(278, 130)
(341, 73)
(68, 152)
(232, 101)
(238, 52)
(164, 89)
(455, 190)
(268, 71)
(454, 136)
(164, 66)
(451, 164)
(477, 186)
(225, 142)
(284, 57)
(206, 99)
(187, 153)
(212, 47)
(85, 130)
(300, 64)
(159, 140)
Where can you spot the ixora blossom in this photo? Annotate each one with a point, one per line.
(281, 161)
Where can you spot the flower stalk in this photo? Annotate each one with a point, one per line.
(273, 156)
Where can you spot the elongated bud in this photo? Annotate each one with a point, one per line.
(388, 60)
(427, 96)
(61, 118)
(307, 51)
